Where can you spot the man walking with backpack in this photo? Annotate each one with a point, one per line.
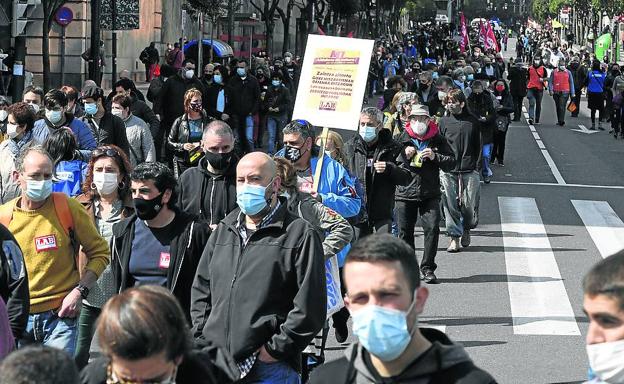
(45, 226)
(149, 57)
(175, 58)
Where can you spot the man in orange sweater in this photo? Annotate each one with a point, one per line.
(56, 287)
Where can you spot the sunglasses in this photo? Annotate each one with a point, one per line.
(110, 152)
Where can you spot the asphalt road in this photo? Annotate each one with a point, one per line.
(514, 297)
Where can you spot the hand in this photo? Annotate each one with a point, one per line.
(482, 119)
(188, 146)
(380, 166)
(410, 152)
(265, 357)
(428, 153)
(316, 196)
(225, 116)
(550, 93)
(213, 226)
(71, 304)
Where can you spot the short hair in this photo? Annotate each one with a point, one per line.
(70, 91)
(55, 97)
(188, 95)
(23, 114)
(38, 364)
(161, 175)
(373, 113)
(124, 100)
(33, 89)
(218, 128)
(300, 126)
(19, 161)
(126, 84)
(61, 145)
(607, 278)
(277, 75)
(143, 322)
(455, 96)
(444, 80)
(426, 75)
(187, 61)
(385, 247)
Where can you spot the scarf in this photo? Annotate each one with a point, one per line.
(16, 146)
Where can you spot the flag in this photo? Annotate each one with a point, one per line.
(350, 35)
(482, 33)
(465, 41)
(490, 39)
(320, 30)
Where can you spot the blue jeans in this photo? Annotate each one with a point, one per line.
(272, 373)
(487, 156)
(274, 124)
(249, 131)
(460, 213)
(535, 104)
(52, 331)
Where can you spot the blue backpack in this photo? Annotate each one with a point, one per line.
(69, 176)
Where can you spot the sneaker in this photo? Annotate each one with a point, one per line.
(500, 162)
(342, 332)
(430, 277)
(530, 121)
(487, 179)
(465, 239)
(454, 245)
(592, 128)
(611, 130)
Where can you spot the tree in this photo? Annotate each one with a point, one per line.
(49, 10)
(267, 14)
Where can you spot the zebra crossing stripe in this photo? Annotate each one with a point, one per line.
(538, 298)
(604, 226)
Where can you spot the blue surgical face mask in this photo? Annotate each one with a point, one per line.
(368, 132)
(54, 116)
(435, 75)
(276, 83)
(470, 77)
(90, 108)
(241, 72)
(382, 331)
(38, 190)
(217, 79)
(252, 198)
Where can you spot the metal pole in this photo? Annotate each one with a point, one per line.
(230, 25)
(200, 42)
(211, 41)
(20, 59)
(250, 44)
(114, 42)
(94, 66)
(62, 55)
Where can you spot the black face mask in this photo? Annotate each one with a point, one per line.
(148, 209)
(219, 161)
(423, 86)
(292, 154)
(208, 76)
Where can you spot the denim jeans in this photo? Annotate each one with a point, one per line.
(249, 131)
(460, 200)
(274, 125)
(272, 373)
(487, 156)
(406, 217)
(52, 331)
(561, 98)
(86, 329)
(535, 103)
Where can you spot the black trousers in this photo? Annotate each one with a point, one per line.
(406, 216)
(498, 152)
(517, 100)
(368, 228)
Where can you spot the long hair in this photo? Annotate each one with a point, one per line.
(121, 159)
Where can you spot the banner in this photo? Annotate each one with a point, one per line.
(490, 39)
(482, 34)
(603, 44)
(465, 41)
(333, 81)
(332, 278)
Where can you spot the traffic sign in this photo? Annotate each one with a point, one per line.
(64, 16)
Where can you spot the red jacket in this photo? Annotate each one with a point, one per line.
(535, 77)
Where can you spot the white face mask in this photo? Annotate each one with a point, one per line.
(418, 127)
(12, 130)
(607, 360)
(105, 183)
(441, 95)
(35, 107)
(189, 74)
(117, 112)
(3, 114)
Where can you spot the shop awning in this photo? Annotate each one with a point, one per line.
(221, 48)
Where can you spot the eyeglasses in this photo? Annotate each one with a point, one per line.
(111, 378)
(110, 152)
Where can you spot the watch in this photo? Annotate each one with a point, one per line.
(84, 291)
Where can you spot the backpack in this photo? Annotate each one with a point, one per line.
(61, 207)
(144, 57)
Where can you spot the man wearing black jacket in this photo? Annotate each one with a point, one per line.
(14, 283)
(106, 128)
(518, 78)
(426, 152)
(371, 157)
(208, 190)
(160, 244)
(260, 286)
(381, 275)
(245, 103)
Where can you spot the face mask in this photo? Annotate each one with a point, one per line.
(607, 360)
(287, 60)
(35, 107)
(218, 161)
(54, 117)
(434, 75)
(208, 76)
(470, 77)
(105, 183)
(441, 95)
(368, 133)
(38, 190)
(423, 86)
(562, 67)
(196, 107)
(454, 109)
(117, 112)
(241, 72)
(12, 130)
(3, 114)
(148, 209)
(91, 108)
(418, 127)
(500, 88)
(252, 198)
(276, 83)
(189, 73)
(382, 331)
(292, 154)
(217, 79)
(536, 63)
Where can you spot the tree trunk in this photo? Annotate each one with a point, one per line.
(286, 23)
(269, 26)
(45, 47)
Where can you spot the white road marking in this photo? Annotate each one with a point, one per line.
(560, 185)
(603, 224)
(547, 157)
(539, 301)
(536, 135)
(541, 145)
(583, 129)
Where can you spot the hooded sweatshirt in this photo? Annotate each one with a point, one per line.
(444, 362)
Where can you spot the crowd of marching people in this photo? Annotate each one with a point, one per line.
(191, 239)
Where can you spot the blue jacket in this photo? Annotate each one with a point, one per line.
(69, 177)
(84, 136)
(390, 67)
(595, 81)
